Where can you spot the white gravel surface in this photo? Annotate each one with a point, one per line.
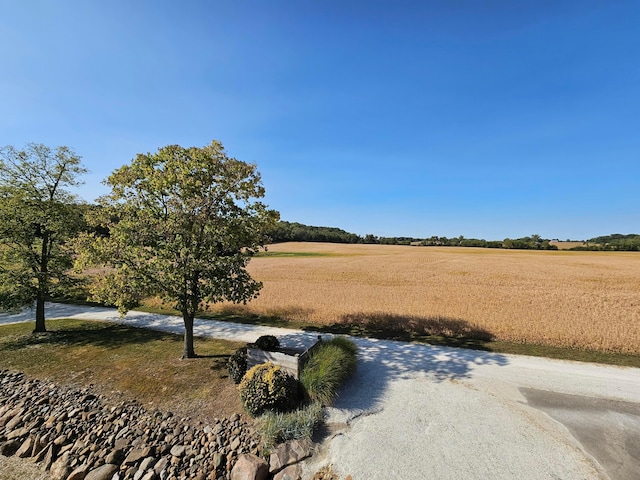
(419, 412)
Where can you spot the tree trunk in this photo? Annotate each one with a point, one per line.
(40, 327)
(189, 352)
(43, 284)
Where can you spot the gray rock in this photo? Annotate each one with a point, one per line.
(161, 465)
(19, 433)
(250, 467)
(60, 468)
(13, 423)
(26, 448)
(147, 463)
(289, 453)
(103, 472)
(115, 457)
(292, 472)
(235, 444)
(122, 443)
(38, 445)
(218, 460)
(178, 450)
(137, 454)
(79, 473)
(49, 456)
(39, 457)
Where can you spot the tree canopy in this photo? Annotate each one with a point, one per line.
(182, 225)
(37, 218)
(297, 232)
(614, 242)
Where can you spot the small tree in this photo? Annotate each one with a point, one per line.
(37, 218)
(183, 224)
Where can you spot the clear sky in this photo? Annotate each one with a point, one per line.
(487, 119)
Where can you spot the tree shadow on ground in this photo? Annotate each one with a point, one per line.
(382, 361)
(436, 330)
(281, 317)
(104, 335)
(218, 364)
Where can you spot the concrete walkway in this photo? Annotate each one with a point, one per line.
(415, 411)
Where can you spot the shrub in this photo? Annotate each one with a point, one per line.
(327, 369)
(268, 343)
(237, 365)
(268, 387)
(278, 427)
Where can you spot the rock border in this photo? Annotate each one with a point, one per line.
(74, 435)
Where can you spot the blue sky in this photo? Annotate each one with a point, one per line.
(485, 119)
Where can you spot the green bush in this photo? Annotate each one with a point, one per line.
(268, 387)
(268, 343)
(237, 365)
(276, 427)
(328, 367)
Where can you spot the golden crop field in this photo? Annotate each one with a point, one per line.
(586, 300)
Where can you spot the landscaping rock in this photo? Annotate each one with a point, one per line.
(292, 472)
(73, 433)
(60, 468)
(136, 454)
(289, 453)
(49, 456)
(116, 456)
(26, 448)
(250, 467)
(79, 473)
(103, 472)
(178, 450)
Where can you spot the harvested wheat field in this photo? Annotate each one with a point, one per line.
(588, 300)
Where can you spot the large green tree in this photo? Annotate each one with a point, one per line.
(38, 216)
(183, 224)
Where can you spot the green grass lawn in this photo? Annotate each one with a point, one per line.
(121, 361)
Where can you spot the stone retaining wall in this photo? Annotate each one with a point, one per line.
(77, 437)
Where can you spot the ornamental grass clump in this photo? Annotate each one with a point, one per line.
(277, 427)
(345, 344)
(266, 387)
(328, 367)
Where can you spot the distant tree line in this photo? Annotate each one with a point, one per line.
(614, 242)
(298, 232)
(534, 242)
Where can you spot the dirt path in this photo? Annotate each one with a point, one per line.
(415, 411)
